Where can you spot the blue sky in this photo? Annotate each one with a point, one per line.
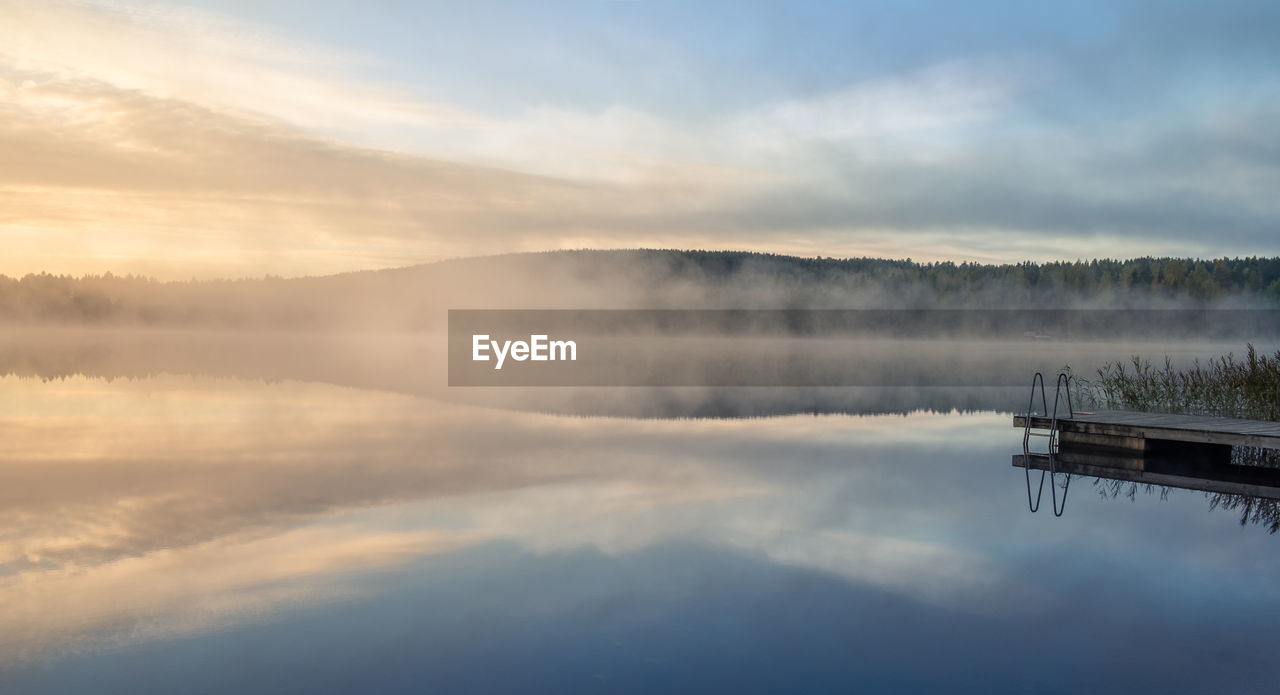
(319, 137)
(708, 59)
(687, 59)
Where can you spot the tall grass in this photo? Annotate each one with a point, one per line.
(1224, 387)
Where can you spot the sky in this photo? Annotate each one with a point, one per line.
(237, 139)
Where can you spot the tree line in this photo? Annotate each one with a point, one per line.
(793, 281)
(1175, 278)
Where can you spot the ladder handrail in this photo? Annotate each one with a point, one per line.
(1039, 491)
(1026, 442)
(1057, 395)
(1053, 489)
(1044, 406)
(1052, 435)
(1053, 443)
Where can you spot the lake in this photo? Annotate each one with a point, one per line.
(210, 513)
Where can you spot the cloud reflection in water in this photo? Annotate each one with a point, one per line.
(177, 504)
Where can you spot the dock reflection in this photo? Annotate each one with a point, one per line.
(1248, 482)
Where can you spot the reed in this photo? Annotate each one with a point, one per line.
(1223, 387)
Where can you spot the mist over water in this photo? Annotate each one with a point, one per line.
(887, 375)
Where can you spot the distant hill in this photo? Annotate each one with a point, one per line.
(417, 297)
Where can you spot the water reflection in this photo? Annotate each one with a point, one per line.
(200, 531)
(176, 504)
(1248, 482)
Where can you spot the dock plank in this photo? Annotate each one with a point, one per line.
(1168, 427)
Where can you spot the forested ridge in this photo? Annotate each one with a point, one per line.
(755, 278)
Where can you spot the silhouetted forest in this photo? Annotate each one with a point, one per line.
(415, 296)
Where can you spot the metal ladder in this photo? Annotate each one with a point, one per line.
(1052, 436)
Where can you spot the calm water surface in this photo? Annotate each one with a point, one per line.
(185, 532)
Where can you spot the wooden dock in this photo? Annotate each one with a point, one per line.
(1185, 451)
(1123, 429)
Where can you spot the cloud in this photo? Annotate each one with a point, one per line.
(178, 143)
(175, 592)
(1160, 188)
(113, 174)
(936, 97)
(106, 178)
(213, 61)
